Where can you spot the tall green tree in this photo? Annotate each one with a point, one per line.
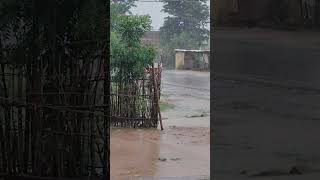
(185, 17)
(185, 27)
(122, 6)
(129, 56)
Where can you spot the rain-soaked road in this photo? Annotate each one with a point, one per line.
(266, 104)
(182, 150)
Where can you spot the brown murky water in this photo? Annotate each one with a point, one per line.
(182, 149)
(266, 128)
(134, 152)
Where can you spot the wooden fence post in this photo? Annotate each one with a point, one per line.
(156, 90)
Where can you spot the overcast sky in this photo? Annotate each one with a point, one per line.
(154, 10)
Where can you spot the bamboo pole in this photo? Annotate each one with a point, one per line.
(20, 131)
(156, 90)
(107, 112)
(6, 163)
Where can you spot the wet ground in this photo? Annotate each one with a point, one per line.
(263, 130)
(266, 105)
(277, 54)
(182, 149)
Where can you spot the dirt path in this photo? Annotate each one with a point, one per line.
(279, 55)
(264, 131)
(182, 149)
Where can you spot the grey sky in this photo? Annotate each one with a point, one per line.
(154, 10)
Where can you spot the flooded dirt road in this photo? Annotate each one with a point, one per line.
(276, 54)
(182, 149)
(266, 105)
(264, 130)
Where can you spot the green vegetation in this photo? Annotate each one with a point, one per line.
(164, 106)
(129, 56)
(121, 6)
(164, 95)
(45, 28)
(185, 28)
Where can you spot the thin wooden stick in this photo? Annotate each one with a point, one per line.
(156, 90)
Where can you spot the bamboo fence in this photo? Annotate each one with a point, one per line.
(135, 103)
(54, 119)
(55, 115)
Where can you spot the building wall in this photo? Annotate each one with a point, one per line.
(207, 61)
(151, 37)
(179, 60)
(188, 61)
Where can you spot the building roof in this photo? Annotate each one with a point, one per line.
(190, 50)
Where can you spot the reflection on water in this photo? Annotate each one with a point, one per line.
(134, 152)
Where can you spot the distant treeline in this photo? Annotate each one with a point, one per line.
(296, 13)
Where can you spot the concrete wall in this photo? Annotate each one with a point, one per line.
(179, 60)
(188, 61)
(151, 37)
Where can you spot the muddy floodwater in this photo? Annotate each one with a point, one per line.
(266, 104)
(182, 149)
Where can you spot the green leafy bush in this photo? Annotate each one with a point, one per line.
(129, 56)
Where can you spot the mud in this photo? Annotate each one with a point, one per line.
(182, 150)
(265, 131)
(278, 55)
(134, 152)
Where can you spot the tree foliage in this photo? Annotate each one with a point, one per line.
(122, 6)
(178, 41)
(49, 26)
(185, 16)
(185, 27)
(129, 56)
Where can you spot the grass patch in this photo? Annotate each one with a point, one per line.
(164, 96)
(164, 106)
